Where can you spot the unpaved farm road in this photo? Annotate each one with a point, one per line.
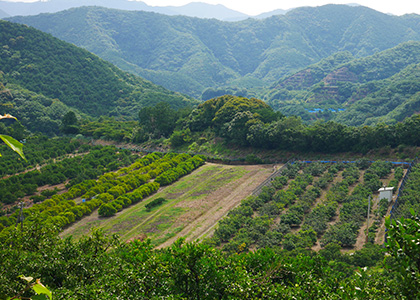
(216, 205)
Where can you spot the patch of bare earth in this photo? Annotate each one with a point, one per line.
(203, 214)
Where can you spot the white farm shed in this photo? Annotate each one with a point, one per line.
(386, 192)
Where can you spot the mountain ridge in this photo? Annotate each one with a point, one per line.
(192, 9)
(189, 55)
(39, 70)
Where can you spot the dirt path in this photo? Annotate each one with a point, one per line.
(202, 220)
(380, 235)
(361, 238)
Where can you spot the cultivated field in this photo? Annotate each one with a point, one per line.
(194, 205)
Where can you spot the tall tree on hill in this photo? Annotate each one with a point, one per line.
(158, 120)
(69, 123)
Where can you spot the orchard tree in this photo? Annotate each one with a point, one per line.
(403, 243)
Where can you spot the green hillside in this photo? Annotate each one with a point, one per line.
(304, 235)
(379, 88)
(34, 64)
(190, 55)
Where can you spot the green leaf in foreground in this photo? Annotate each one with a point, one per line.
(39, 288)
(13, 144)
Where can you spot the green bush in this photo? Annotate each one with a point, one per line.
(154, 203)
(107, 210)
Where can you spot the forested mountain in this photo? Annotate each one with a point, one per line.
(190, 54)
(194, 9)
(381, 87)
(39, 73)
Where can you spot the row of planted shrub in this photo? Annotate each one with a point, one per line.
(180, 170)
(253, 221)
(117, 189)
(63, 210)
(169, 176)
(110, 185)
(111, 208)
(73, 169)
(321, 214)
(410, 197)
(353, 212)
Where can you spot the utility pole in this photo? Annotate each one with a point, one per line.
(367, 225)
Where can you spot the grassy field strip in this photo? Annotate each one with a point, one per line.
(201, 228)
(162, 224)
(187, 200)
(116, 223)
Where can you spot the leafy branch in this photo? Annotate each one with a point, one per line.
(11, 142)
(42, 292)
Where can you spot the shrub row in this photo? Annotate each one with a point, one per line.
(109, 209)
(154, 203)
(108, 187)
(182, 169)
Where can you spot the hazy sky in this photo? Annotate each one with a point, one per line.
(256, 7)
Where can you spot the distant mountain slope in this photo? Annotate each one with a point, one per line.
(190, 54)
(194, 9)
(40, 63)
(207, 11)
(271, 13)
(381, 87)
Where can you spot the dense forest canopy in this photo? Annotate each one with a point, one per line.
(251, 122)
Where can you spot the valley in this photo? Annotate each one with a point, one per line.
(161, 156)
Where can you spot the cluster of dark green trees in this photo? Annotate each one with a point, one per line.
(76, 169)
(38, 150)
(251, 122)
